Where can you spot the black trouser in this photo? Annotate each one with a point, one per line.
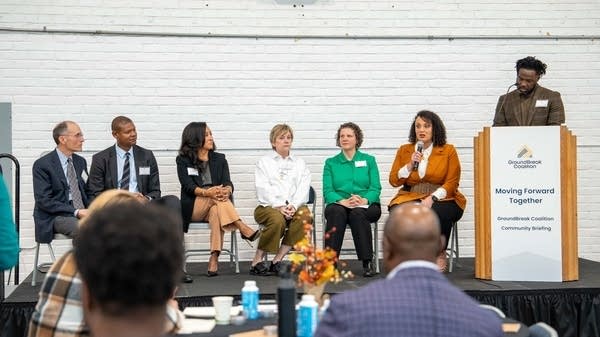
(359, 219)
(448, 212)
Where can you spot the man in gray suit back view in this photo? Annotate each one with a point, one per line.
(415, 299)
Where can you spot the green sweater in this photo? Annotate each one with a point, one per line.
(9, 242)
(342, 178)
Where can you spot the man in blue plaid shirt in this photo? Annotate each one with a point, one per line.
(415, 299)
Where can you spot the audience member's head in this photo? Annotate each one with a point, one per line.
(412, 232)
(130, 258)
(109, 197)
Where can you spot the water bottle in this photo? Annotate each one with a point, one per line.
(250, 299)
(286, 304)
(307, 316)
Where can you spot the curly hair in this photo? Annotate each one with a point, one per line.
(437, 126)
(130, 256)
(530, 62)
(192, 139)
(357, 133)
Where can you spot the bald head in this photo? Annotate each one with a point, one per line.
(412, 232)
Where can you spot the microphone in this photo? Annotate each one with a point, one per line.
(516, 84)
(420, 150)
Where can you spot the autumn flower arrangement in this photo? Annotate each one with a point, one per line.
(315, 266)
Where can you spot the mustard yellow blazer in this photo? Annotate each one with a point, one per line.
(443, 169)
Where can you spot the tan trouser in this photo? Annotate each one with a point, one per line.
(274, 227)
(219, 214)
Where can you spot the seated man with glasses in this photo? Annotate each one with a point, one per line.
(59, 185)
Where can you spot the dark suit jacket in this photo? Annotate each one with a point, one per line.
(219, 171)
(509, 113)
(418, 301)
(103, 172)
(51, 193)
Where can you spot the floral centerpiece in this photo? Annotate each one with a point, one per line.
(315, 267)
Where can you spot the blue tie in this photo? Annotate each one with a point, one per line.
(126, 173)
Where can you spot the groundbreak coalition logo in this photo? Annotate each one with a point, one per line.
(524, 162)
(525, 152)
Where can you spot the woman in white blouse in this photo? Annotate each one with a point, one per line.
(282, 188)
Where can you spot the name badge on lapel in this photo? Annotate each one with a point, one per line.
(541, 103)
(84, 175)
(192, 171)
(145, 170)
(360, 163)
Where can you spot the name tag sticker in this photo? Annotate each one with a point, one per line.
(84, 175)
(192, 171)
(145, 170)
(360, 163)
(541, 103)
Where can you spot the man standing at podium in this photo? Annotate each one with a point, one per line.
(531, 104)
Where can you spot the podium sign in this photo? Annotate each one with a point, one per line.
(525, 203)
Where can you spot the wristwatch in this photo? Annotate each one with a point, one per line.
(434, 198)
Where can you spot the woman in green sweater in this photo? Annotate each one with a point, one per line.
(351, 189)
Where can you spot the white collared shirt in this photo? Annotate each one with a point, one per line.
(133, 187)
(279, 179)
(403, 173)
(64, 164)
(412, 264)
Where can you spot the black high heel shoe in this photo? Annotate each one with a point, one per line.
(251, 238)
(213, 273)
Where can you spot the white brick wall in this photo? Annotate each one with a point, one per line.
(311, 17)
(242, 86)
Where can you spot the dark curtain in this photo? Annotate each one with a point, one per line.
(14, 319)
(572, 312)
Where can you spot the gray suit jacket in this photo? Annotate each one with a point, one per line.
(508, 109)
(103, 172)
(417, 302)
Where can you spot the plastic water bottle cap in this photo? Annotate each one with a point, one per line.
(250, 284)
(308, 297)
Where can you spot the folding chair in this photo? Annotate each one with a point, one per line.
(232, 251)
(493, 309)
(37, 266)
(541, 329)
(374, 228)
(452, 250)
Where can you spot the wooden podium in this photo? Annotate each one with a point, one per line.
(486, 194)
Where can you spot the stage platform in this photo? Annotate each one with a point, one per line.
(572, 308)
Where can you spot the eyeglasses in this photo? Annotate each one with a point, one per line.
(76, 135)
